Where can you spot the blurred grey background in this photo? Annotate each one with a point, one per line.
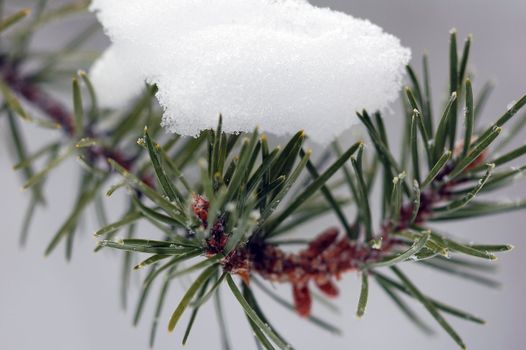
(46, 303)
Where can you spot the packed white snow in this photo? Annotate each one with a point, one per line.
(117, 83)
(281, 65)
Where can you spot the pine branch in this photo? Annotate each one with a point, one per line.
(247, 193)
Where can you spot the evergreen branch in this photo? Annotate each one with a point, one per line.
(231, 211)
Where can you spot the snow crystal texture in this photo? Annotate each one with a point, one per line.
(281, 65)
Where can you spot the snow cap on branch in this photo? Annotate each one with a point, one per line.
(282, 65)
